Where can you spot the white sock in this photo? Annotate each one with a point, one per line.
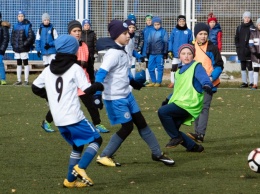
(244, 77)
(172, 76)
(19, 72)
(26, 73)
(147, 75)
(156, 73)
(251, 76)
(256, 78)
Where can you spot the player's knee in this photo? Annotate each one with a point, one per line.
(78, 148)
(139, 120)
(125, 130)
(98, 141)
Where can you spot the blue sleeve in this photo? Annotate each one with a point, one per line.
(101, 75)
(136, 54)
(130, 75)
(190, 38)
(201, 75)
(165, 40)
(171, 40)
(38, 45)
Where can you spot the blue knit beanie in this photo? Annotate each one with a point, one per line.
(131, 17)
(21, 12)
(66, 44)
(86, 21)
(157, 20)
(116, 27)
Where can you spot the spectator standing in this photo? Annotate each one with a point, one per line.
(215, 32)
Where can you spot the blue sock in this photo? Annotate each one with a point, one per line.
(112, 146)
(88, 155)
(149, 137)
(74, 159)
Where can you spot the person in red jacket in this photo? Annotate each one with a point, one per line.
(215, 32)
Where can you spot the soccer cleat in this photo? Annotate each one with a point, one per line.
(3, 82)
(26, 83)
(146, 82)
(74, 184)
(106, 161)
(196, 137)
(196, 148)
(244, 85)
(47, 126)
(157, 85)
(150, 85)
(101, 128)
(17, 83)
(171, 85)
(81, 173)
(164, 159)
(174, 142)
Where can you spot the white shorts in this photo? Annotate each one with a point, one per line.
(21, 55)
(48, 58)
(176, 61)
(256, 64)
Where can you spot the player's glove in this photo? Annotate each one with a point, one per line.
(98, 101)
(165, 102)
(47, 46)
(207, 89)
(94, 88)
(170, 54)
(39, 54)
(136, 85)
(142, 59)
(165, 56)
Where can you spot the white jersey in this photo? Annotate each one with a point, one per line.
(62, 93)
(116, 83)
(129, 48)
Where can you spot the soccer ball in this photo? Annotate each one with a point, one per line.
(254, 160)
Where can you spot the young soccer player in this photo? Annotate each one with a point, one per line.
(22, 39)
(4, 39)
(120, 103)
(208, 54)
(59, 83)
(186, 103)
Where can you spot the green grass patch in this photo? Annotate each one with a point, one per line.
(33, 161)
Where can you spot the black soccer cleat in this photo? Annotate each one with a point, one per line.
(164, 159)
(196, 137)
(196, 148)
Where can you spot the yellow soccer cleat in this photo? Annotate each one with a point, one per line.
(106, 161)
(81, 173)
(150, 85)
(74, 184)
(157, 85)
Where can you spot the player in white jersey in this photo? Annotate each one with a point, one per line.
(120, 103)
(58, 83)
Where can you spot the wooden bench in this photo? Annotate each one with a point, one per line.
(34, 65)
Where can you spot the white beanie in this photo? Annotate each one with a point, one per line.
(45, 16)
(246, 14)
(257, 22)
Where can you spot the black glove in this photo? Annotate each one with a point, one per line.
(94, 88)
(136, 85)
(165, 56)
(165, 102)
(207, 89)
(142, 59)
(47, 46)
(257, 55)
(170, 54)
(98, 101)
(39, 54)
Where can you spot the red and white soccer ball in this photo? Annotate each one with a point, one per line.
(254, 160)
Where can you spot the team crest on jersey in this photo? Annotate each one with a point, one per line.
(49, 31)
(127, 115)
(185, 32)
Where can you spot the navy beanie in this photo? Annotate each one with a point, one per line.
(130, 22)
(66, 44)
(181, 17)
(116, 27)
(21, 12)
(157, 20)
(200, 27)
(73, 24)
(86, 21)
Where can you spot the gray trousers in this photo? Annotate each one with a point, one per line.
(201, 122)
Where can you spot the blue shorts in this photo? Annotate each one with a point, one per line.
(119, 111)
(80, 133)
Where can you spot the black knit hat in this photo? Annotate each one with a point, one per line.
(116, 27)
(181, 17)
(200, 27)
(73, 24)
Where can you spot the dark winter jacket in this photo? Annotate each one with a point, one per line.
(4, 36)
(22, 37)
(157, 42)
(145, 35)
(139, 40)
(90, 38)
(242, 41)
(46, 36)
(215, 36)
(254, 44)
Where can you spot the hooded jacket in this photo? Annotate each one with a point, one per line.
(4, 36)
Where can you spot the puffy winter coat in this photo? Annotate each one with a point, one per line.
(145, 33)
(215, 36)
(4, 36)
(90, 38)
(21, 40)
(254, 44)
(157, 42)
(48, 35)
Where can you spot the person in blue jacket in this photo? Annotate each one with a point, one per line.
(157, 50)
(180, 34)
(45, 37)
